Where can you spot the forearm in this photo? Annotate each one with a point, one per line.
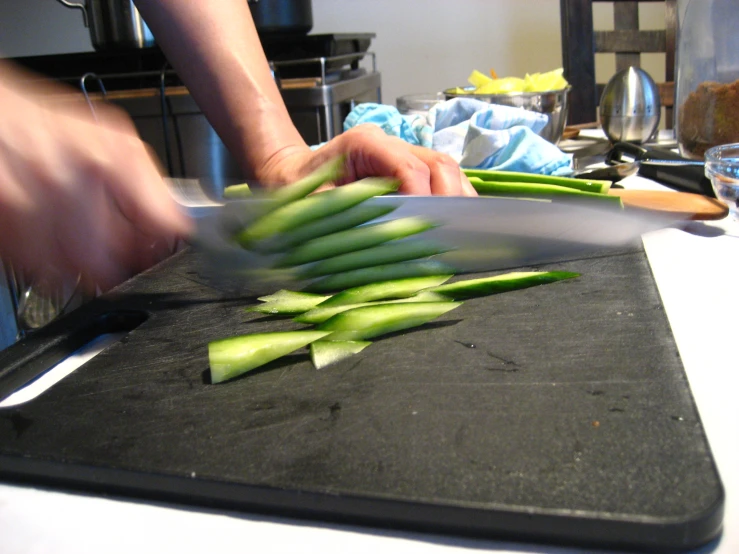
(215, 49)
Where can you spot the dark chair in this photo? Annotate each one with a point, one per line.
(580, 43)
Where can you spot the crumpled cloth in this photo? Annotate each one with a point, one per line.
(476, 134)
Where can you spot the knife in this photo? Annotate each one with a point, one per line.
(482, 233)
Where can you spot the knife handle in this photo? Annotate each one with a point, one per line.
(688, 178)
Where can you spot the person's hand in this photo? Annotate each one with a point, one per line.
(78, 195)
(370, 152)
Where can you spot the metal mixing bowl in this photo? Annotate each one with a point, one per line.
(552, 103)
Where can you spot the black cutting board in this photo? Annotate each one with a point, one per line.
(559, 413)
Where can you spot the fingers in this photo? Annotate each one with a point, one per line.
(422, 171)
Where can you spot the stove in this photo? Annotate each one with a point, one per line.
(322, 78)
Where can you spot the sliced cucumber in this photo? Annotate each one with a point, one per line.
(379, 273)
(354, 240)
(473, 288)
(388, 253)
(329, 171)
(325, 226)
(235, 356)
(319, 314)
(287, 302)
(302, 211)
(237, 191)
(519, 177)
(372, 321)
(382, 290)
(537, 190)
(326, 352)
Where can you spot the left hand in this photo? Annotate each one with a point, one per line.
(372, 153)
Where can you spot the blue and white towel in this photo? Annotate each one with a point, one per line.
(476, 134)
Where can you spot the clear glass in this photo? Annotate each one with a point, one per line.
(707, 81)
(722, 168)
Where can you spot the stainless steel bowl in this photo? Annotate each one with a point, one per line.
(551, 103)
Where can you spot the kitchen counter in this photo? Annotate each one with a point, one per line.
(693, 270)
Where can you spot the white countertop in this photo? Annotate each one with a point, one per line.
(696, 273)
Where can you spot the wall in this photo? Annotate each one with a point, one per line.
(421, 45)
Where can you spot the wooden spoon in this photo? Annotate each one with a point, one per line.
(684, 205)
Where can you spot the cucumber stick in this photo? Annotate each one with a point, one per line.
(320, 314)
(327, 352)
(287, 302)
(347, 219)
(329, 171)
(387, 272)
(235, 356)
(237, 191)
(302, 211)
(399, 288)
(473, 288)
(520, 177)
(387, 253)
(537, 190)
(372, 321)
(354, 240)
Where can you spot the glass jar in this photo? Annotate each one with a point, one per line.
(707, 82)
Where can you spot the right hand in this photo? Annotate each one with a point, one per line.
(78, 196)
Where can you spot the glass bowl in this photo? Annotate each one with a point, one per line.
(552, 103)
(722, 168)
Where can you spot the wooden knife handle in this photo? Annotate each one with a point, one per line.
(680, 204)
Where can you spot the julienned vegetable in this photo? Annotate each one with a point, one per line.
(519, 177)
(302, 211)
(287, 302)
(372, 321)
(320, 314)
(536, 190)
(354, 240)
(387, 272)
(235, 356)
(473, 288)
(383, 290)
(329, 171)
(327, 352)
(347, 219)
(387, 253)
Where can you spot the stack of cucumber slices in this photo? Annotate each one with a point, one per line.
(365, 278)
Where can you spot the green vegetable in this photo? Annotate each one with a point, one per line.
(372, 321)
(299, 212)
(329, 171)
(354, 240)
(287, 302)
(237, 191)
(519, 177)
(234, 356)
(319, 314)
(536, 190)
(472, 288)
(381, 283)
(326, 352)
(390, 252)
(325, 226)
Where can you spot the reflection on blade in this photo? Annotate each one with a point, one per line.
(483, 234)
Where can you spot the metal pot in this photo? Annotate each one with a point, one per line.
(282, 16)
(114, 24)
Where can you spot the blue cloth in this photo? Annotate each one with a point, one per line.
(476, 134)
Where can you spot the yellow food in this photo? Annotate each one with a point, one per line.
(537, 82)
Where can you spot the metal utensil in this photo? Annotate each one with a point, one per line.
(630, 106)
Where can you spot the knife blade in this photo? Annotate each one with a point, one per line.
(482, 234)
